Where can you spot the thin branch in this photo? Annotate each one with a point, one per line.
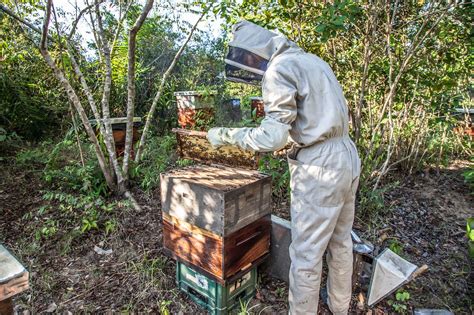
(44, 33)
(393, 86)
(71, 110)
(22, 21)
(78, 18)
(117, 31)
(94, 32)
(151, 112)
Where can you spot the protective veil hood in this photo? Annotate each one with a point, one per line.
(250, 51)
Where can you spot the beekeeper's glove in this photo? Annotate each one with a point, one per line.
(215, 137)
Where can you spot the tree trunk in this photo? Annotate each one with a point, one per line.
(131, 85)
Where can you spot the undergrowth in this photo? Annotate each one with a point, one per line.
(159, 155)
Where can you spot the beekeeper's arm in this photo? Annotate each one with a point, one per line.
(279, 96)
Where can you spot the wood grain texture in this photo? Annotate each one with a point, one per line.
(6, 307)
(193, 247)
(216, 198)
(245, 246)
(222, 257)
(14, 286)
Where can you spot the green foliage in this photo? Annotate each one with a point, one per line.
(164, 307)
(184, 162)
(6, 136)
(157, 157)
(280, 292)
(277, 168)
(400, 305)
(88, 211)
(31, 102)
(244, 307)
(469, 176)
(49, 228)
(75, 193)
(371, 202)
(396, 247)
(470, 236)
(34, 156)
(63, 170)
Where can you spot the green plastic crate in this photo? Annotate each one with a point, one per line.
(216, 298)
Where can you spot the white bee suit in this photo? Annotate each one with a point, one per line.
(303, 102)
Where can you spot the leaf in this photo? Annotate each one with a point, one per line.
(320, 28)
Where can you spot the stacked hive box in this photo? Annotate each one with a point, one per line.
(216, 220)
(195, 110)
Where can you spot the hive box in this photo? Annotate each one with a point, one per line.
(221, 258)
(195, 110)
(219, 199)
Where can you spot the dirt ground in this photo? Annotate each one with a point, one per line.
(424, 216)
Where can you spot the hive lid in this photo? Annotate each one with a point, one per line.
(216, 176)
(195, 93)
(10, 267)
(117, 120)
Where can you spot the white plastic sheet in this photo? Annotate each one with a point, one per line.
(390, 271)
(9, 267)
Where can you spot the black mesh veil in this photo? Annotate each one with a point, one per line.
(236, 74)
(244, 66)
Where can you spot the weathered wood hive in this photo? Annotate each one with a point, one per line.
(216, 198)
(216, 218)
(218, 257)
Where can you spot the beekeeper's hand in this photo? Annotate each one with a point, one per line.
(215, 137)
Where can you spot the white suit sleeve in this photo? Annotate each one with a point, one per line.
(279, 96)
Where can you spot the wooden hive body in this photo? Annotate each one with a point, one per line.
(218, 257)
(218, 199)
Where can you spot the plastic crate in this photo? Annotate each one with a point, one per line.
(216, 298)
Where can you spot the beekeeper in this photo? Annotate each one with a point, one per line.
(305, 104)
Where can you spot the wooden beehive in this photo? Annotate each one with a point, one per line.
(220, 257)
(195, 110)
(194, 145)
(218, 199)
(14, 279)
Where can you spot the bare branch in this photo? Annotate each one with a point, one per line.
(44, 34)
(151, 112)
(122, 17)
(78, 18)
(417, 42)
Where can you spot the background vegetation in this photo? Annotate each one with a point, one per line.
(405, 67)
